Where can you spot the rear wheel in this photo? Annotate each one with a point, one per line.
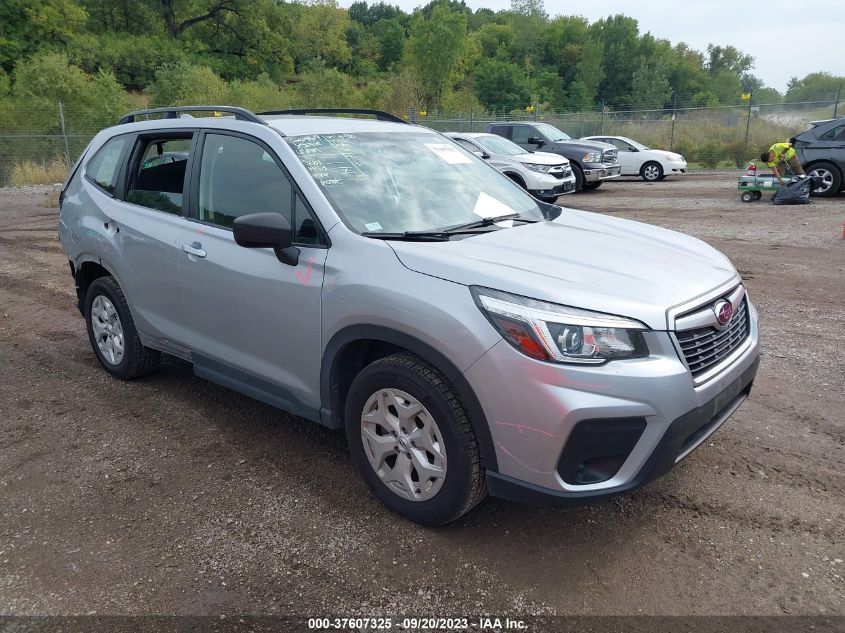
(747, 196)
(412, 441)
(112, 332)
(651, 171)
(829, 178)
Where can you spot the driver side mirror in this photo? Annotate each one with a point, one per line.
(267, 230)
(536, 140)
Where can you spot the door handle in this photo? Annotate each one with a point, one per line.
(194, 249)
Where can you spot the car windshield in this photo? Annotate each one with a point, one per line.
(407, 181)
(639, 146)
(551, 132)
(498, 145)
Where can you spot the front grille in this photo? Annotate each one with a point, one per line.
(609, 156)
(706, 346)
(565, 172)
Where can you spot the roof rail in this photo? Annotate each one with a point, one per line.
(173, 112)
(378, 114)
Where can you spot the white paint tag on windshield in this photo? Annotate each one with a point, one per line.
(449, 153)
(373, 226)
(488, 207)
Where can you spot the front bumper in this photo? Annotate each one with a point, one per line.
(533, 408)
(675, 167)
(551, 187)
(592, 173)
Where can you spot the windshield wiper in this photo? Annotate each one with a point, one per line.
(460, 228)
(422, 236)
(442, 235)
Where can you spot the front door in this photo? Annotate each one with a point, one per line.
(254, 321)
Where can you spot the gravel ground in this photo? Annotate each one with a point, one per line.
(173, 496)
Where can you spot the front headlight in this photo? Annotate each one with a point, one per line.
(675, 157)
(551, 332)
(543, 169)
(592, 157)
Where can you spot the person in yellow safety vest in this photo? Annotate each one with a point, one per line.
(782, 153)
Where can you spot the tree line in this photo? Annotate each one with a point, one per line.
(442, 56)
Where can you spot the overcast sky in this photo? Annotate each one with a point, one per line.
(786, 38)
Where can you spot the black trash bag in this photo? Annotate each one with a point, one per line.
(796, 191)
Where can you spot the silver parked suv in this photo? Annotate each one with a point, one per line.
(375, 276)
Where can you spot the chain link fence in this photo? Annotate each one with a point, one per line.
(38, 143)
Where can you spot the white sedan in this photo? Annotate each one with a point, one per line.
(638, 160)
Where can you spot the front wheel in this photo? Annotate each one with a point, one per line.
(579, 177)
(592, 186)
(412, 441)
(747, 196)
(651, 172)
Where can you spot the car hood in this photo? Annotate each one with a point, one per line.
(662, 152)
(581, 259)
(541, 158)
(581, 144)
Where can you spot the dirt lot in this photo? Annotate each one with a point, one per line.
(173, 496)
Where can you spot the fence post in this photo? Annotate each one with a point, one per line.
(472, 121)
(748, 120)
(64, 132)
(674, 116)
(601, 125)
(836, 102)
(412, 115)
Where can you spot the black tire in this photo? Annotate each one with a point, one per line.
(758, 195)
(830, 174)
(592, 186)
(137, 360)
(652, 171)
(464, 485)
(579, 177)
(748, 196)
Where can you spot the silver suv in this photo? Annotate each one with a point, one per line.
(374, 276)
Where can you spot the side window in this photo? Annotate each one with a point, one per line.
(500, 130)
(521, 134)
(239, 177)
(103, 169)
(837, 132)
(466, 145)
(158, 179)
(621, 145)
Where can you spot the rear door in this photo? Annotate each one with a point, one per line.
(148, 218)
(254, 321)
(829, 146)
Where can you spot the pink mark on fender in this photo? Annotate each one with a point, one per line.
(523, 427)
(304, 277)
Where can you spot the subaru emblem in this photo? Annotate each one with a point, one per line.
(724, 311)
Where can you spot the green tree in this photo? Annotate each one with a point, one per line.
(390, 35)
(618, 37)
(185, 84)
(815, 86)
(29, 25)
(650, 85)
(320, 34)
(435, 46)
(501, 85)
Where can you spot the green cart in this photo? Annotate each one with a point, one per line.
(752, 187)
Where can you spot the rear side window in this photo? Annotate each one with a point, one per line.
(158, 178)
(104, 167)
(466, 144)
(835, 133)
(500, 130)
(521, 134)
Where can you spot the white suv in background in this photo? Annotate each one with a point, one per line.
(638, 160)
(545, 176)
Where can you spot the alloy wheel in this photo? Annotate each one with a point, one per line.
(825, 176)
(651, 172)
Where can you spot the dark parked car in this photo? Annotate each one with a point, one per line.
(821, 150)
(592, 162)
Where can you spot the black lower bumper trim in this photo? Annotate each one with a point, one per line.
(661, 460)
